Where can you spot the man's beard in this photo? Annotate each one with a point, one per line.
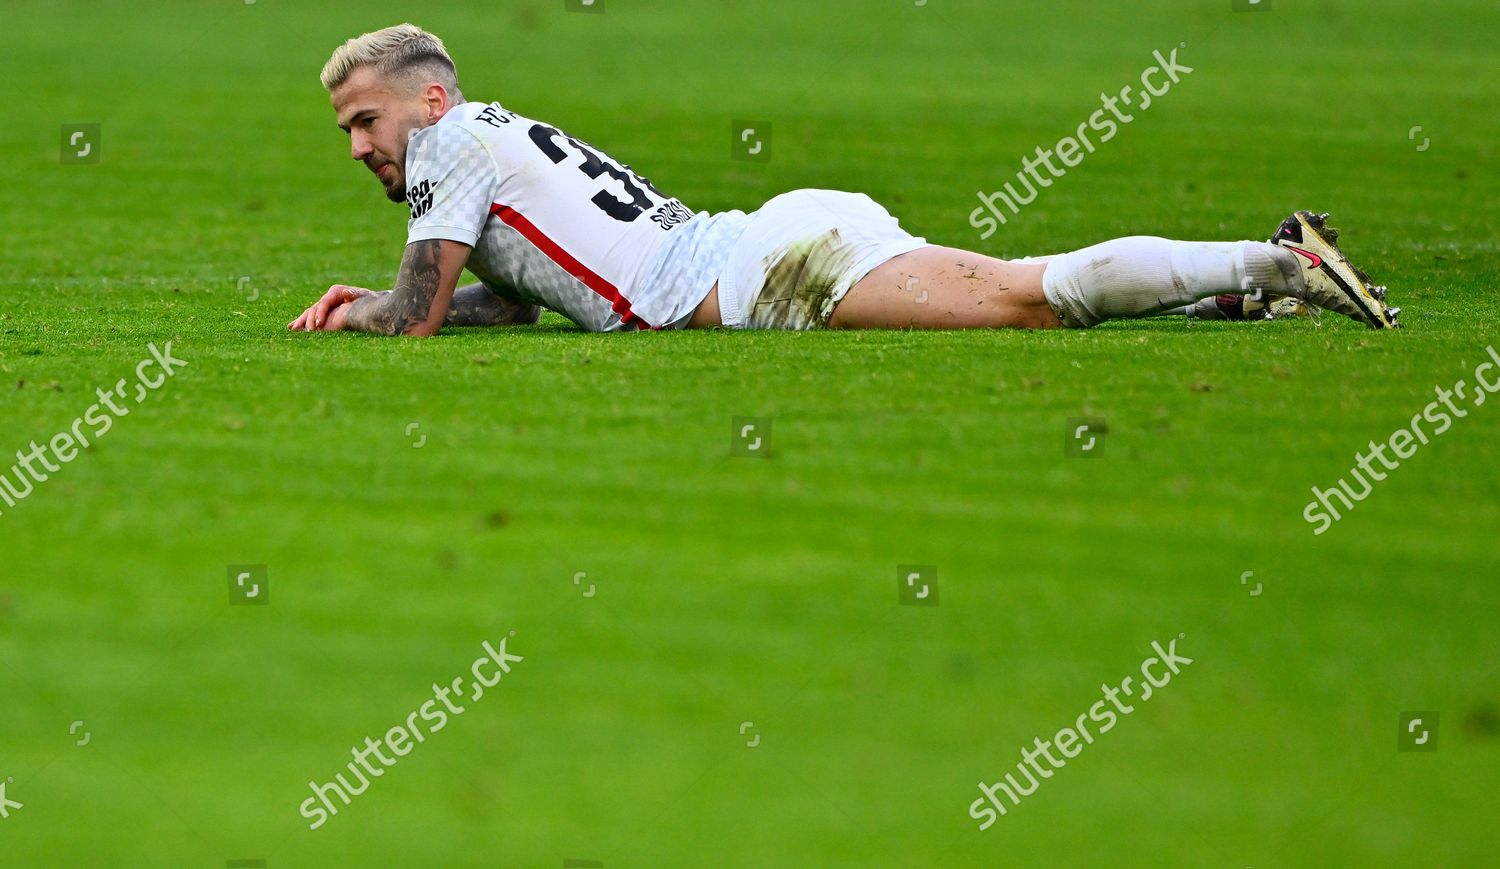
(398, 192)
(395, 190)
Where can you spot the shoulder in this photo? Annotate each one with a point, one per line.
(469, 132)
(477, 120)
(451, 134)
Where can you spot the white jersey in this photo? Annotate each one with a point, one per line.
(552, 221)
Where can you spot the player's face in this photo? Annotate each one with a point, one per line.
(379, 120)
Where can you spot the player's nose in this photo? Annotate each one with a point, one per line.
(360, 147)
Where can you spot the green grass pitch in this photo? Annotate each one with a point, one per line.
(743, 687)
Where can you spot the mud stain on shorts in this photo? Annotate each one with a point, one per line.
(800, 282)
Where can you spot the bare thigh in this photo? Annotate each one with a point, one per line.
(947, 288)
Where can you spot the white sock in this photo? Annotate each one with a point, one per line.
(1142, 275)
(1213, 307)
(1203, 309)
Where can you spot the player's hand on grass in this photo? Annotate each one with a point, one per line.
(321, 316)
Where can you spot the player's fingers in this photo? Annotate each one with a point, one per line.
(324, 323)
(304, 322)
(336, 295)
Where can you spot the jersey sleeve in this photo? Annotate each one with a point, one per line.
(451, 184)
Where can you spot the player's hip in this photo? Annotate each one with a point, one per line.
(800, 254)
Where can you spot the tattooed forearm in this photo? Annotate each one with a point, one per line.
(396, 312)
(475, 305)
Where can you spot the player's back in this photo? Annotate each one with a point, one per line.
(552, 220)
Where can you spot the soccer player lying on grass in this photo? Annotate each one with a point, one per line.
(547, 221)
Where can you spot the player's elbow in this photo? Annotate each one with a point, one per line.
(422, 330)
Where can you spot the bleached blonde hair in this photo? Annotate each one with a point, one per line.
(404, 52)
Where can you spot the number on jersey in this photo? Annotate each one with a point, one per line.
(641, 194)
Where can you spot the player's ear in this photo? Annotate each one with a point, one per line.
(435, 98)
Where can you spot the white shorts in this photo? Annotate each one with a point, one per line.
(800, 254)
